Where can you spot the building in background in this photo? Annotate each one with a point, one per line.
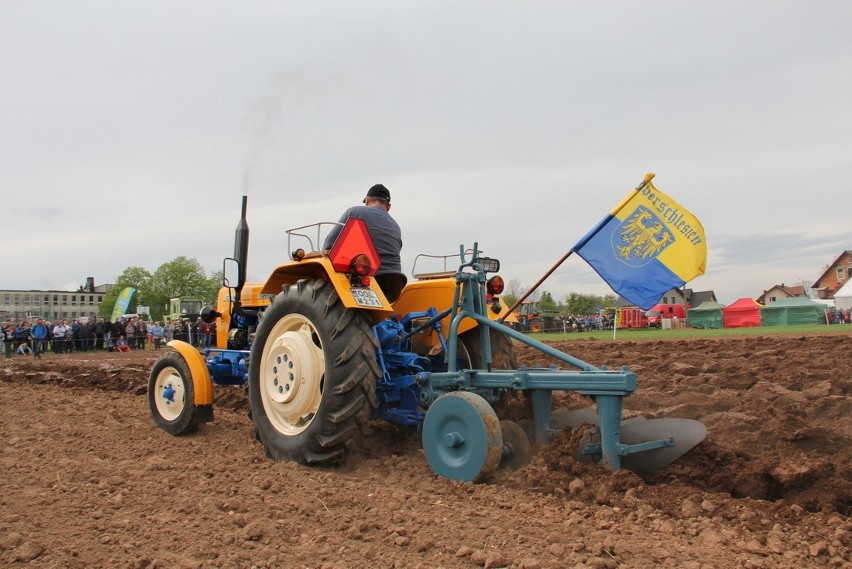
(53, 304)
(780, 292)
(835, 276)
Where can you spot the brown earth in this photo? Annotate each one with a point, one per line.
(90, 481)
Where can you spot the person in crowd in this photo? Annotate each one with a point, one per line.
(98, 332)
(84, 331)
(22, 333)
(69, 338)
(206, 333)
(48, 342)
(59, 337)
(180, 331)
(75, 334)
(156, 333)
(117, 329)
(107, 332)
(39, 333)
(121, 344)
(130, 334)
(141, 334)
(196, 332)
(9, 339)
(168, 332)
(24, 349)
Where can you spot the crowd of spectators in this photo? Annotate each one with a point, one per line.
(838, 316)
(84, 334)
(127, 334)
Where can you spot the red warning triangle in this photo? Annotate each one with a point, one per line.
(354, 240)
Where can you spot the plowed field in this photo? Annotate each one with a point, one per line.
(89, 480)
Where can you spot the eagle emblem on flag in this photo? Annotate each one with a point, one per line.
(641, 237)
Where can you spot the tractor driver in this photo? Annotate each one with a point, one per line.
(386, 236)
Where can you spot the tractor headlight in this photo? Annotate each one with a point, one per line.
(488, 265)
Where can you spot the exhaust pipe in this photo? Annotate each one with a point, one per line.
(241, 243)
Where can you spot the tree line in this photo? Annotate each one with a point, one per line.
(572, 304)
(179, 277)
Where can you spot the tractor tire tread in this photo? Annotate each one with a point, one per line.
(340, 437)
(350, 410)
(349, 384)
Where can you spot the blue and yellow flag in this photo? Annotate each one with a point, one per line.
(121, 303)
(648, 245)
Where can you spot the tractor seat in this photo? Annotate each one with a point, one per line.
(391, 284)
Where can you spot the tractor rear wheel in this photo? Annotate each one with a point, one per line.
(312, 375)
(171, 395)
(502, 356)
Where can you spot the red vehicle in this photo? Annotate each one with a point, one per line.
(654, 317)
(629, 318)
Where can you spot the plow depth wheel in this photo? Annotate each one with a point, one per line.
(171, 394)
(517, 449)
(461, 437)
(312, 375)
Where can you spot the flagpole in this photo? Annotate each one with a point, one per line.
(579, 245)
(615, 323)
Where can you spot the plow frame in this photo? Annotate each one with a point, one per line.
(606, 387)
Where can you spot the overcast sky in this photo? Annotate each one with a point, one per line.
(130, 130)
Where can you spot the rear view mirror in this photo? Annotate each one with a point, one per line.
(230, 273)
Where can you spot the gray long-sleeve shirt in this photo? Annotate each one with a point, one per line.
(384, 231)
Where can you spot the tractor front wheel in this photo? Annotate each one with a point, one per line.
(312, 375)
(171, 394)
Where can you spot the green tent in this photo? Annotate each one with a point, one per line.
(708, 314)
(792, 311)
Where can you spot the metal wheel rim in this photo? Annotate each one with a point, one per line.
(461, 437)
(292, 373)
(169, 408)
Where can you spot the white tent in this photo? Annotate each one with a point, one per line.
(843, 297)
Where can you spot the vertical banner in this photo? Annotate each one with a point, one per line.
(121, 303)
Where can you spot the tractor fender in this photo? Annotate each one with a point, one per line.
(201, 382)
(321, 268)
(438, 292)
(250, 298)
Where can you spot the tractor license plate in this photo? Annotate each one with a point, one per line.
(366, 298)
